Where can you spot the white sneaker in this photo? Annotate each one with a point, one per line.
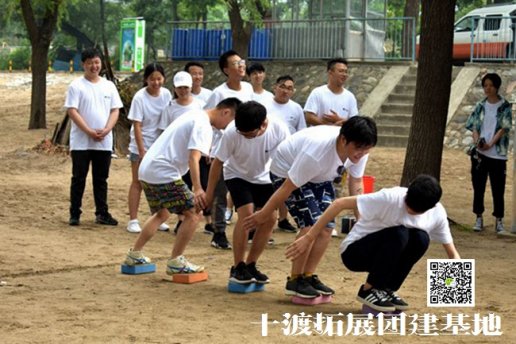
(133, 226)
(499, 225)
(479, 224)
(180, 265)
(136, 258)
(334, 233)
(163, 227)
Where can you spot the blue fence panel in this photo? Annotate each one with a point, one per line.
(178, 43)
(194, 44)
(259, 46)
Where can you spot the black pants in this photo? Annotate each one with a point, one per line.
(204, 172)
(388, 255)
(496, 169)
(100, 162)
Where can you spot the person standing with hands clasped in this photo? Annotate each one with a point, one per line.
(490, 124)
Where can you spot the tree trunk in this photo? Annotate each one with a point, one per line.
(39, 65)
(425, 146)
(240, 31)
(409, 28)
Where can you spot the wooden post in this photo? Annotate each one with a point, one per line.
(10, 66)
(71, 66)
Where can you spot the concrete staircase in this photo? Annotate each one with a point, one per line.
(395, 115)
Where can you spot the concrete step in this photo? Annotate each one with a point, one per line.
(405, 89)
(409, 78)
(392, 141)
(401, 98)
(394, 119)
(397, 108)
(393, 129)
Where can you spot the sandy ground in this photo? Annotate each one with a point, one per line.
(63, 284)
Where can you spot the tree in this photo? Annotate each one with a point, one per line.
(409, 28)
(40, 17)
(425, 146)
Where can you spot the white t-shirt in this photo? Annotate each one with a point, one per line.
(321, 100)
(203, 96)
(174, 110)
(250, 159)
(147, 109)
(222, 92)
(291, 113)
(386, 208)
(263, 98)
(94, 102)
(310, 155)
(488, 128)
(167, 159)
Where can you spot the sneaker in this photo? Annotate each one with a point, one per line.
(499, 225)
(239, 274)
(397, 301)
(334, 233)
(164, 227)
(136, 258)
(133, 226)
(319, 286)
(271, 241)
(176, 228)
(228, 215)
(286, 226)
(479, 224)
(301, 287)
(258, 276)
(220, 240)
(250, 236)
(180, 265)
(106, 219)
(377, 299)
(74, 221)
(209, 229)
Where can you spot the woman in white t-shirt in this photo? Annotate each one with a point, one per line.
(145, 112)
(490, 124)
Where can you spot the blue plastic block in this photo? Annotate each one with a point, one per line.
(138, 269)
(245, 288)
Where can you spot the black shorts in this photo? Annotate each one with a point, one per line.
(242, 192)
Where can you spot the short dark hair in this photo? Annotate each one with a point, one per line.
(193, 64)
(284, 78)
(151, 68)
(229, 103)
(90, 53)
(223, 59)
(495, 79)
(333, 62)
(423, 193)
(361, 130)
(255, 67)
(250, 116)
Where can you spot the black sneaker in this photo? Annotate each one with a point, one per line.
(319, 286)
(106, 219)
(377, 299)
(396, 300)
(300, 287)
(220, 240)
(240, 275)
(209, 229)
(176, 228)
(258, 276)
(286, 226)
(74, 221)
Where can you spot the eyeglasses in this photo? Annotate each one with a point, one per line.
(286, 88)
(238, 63)
(341, 170)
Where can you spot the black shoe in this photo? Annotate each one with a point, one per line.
(209, 229)
(219, 240)
(176, 228)
(286, 226)
(377, 299)
(319, 286)
(397, 301)
(74, 221)
(300, 287)
(240, 275)
(258, 276)
(250, 236)
(106, 219)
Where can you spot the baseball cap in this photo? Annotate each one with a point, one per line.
(182, 79)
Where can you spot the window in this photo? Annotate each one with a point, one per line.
(492, 23)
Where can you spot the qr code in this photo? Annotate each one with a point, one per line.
(450, 282)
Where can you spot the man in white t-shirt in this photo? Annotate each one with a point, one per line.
(302, 171)
(331, 104)
(393, 232)
(178, 149)
(92, 104)
(256, 74)
(196, 70)
(245, 151)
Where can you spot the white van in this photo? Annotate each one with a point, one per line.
(493, 33)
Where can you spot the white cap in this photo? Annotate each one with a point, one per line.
(182, 79)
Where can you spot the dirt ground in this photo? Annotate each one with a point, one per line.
(63, 285)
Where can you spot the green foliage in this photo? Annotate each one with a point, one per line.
(20, 57)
